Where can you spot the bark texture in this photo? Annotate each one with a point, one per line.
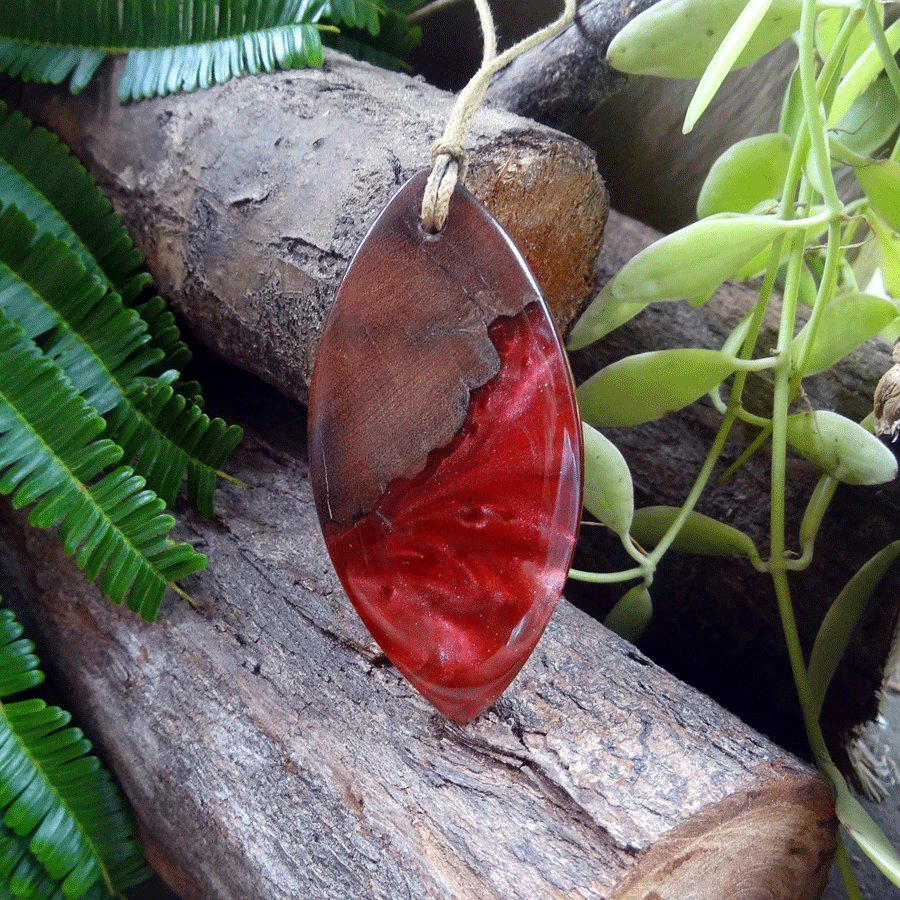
(715, 621)
(270, 752)
(249, 199)
(563, 81)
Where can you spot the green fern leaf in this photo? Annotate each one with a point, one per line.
(39, 175)
(103, 348)
(174, 46)
(65, 831)
(164, 436)
(46, 290)
(50, 452)
(359, 14)
(158, 71)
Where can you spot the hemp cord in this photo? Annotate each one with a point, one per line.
(448, 155)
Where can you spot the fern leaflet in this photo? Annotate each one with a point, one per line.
(180, 46)
(65, 831)
(103, 348)
(39, 175)
(51, 456)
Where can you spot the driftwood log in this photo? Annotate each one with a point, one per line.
(271, 752)
(249, 198)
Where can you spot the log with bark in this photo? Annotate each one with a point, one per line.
(270, 751)
(249, 199)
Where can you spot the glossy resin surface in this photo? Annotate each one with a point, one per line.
(445, 450)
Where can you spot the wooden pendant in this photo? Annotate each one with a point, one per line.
(446, 450)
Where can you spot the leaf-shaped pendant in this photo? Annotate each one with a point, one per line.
(446, 450)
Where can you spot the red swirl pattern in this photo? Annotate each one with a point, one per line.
(457, 571)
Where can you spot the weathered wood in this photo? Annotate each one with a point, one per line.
(249, 198)
(270, 752)
(715, 620)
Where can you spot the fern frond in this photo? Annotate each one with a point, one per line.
(103, 348)
(175, 45)
(163, 70)
(50, 452)
(65, 831)
(39, 175)
(182, 46)
(99, 343)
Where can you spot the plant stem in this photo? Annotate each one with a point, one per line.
(876, 29)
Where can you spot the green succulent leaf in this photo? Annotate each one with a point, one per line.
(872, 119)
(841, 620)
(888, 241)
(65, 830)
(862, 827)
(679, 38)
(745, 175)
(699, 534)
(841, 448)
(604, 314)
(631, 615)
(828, 25)
(691, 263)
(645, 386)
(51, 456)
(846, 322)
(608, 489)
(792, 113)
(725, 58)
(881, 182)
(867, 67)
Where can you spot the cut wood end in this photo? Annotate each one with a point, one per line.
(779, 837)
(551, 200)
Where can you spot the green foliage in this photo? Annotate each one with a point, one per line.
(86, 379)
(65, 831)
(769, 206)
(197, 43)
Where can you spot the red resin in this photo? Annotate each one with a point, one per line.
(457, 571)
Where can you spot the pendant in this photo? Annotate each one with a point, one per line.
(446, 450)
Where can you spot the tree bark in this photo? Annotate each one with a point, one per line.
(249, 199)
(562, 82)
(716, 623)
(270, 750)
